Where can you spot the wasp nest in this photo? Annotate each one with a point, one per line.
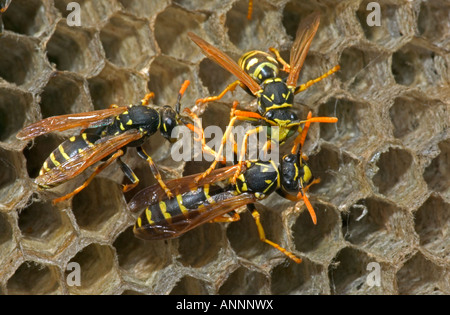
(384, 198)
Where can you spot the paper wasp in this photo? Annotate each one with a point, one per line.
(258, 74)
(207, 201)
(106, 135)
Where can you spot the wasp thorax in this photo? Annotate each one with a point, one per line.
(275, 94)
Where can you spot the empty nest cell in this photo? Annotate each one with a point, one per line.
(142, 260)
(383, 22)
(410, 115)
(96, 208)
(115, 85)
(27, 17)
(15, 108)
(413, 65)
(74, 49)
(35, 279)
(432, 223)
(436, 173)
(63, 94)
(44, 228)
(380, 227)
(97, 270)
(22, 63)
(127, 41)
(171, 27)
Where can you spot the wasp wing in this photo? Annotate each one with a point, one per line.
(180, 224)
(155, 193)
(305, 34)
(64, 122)
(226, 62)
(73, 166)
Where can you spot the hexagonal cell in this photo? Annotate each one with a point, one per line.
(202, 245)
(321, 241)
(116, 86)
(44, 228)
(171, 27)
(190, 286)
(250, 34)
(245, 282)
(432, 223)
(64, 94)
(97, 273)
(379, 227)
(97, 207)
(391, 22)
(142, 260)
(364, 70)
(34, 279)
(436, 174)
(294, 12)
(338, 174)
(413, 65)
(352, 128)
(11, 185)
(306, 278)
(429, 22)
(92, 11)
(410, 116)
(392, 166)
(348, 273)
(166, 77)
(420, 276)
(22, 62)
(244, 239)
(28, 17)
(14, 108)
(127, 41)
(75, 49)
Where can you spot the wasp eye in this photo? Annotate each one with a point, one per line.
(269, 115)
(289, 158)
(293, 117)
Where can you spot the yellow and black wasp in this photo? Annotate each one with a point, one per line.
(109, 132)
(207, 201)
(258, 74)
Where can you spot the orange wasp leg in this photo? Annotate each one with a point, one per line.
(262, 235)
(230, 87)
(306, 85)
(225, 219)
(250, 9)
(154, 170)
(200, 136)
(243, 151)
(286, 66)
(95, 173)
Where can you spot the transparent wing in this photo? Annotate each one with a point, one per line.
(64, 122)
(74, 166)
(226, 62)
(305, 34)
(155, 193)
(180, 224)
